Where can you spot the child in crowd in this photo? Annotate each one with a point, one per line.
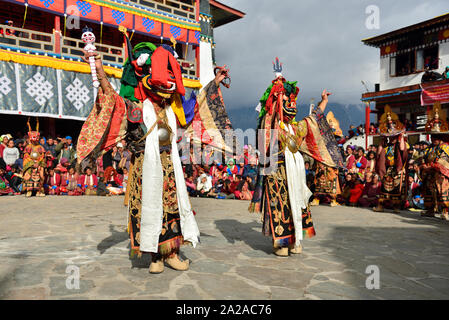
(89, 182)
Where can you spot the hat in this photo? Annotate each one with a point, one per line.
(389, 124)
(119, 145)
(68, 138)
(436, 120)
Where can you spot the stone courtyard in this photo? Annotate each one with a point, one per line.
(45, 241)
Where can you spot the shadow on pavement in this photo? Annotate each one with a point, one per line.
(115, 238)
(234, 230)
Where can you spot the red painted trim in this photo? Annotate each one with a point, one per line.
(367, 123)
(226, 8)
(57, 33)
(197, 57)
(197, 5)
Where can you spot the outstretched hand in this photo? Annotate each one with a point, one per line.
(325, 95)
(221, 73)
(324, 100)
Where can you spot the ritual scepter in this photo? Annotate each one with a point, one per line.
(88, 38)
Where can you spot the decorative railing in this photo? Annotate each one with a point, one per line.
(185, 9)
(27, 39)
(189, 67)
(109, 54)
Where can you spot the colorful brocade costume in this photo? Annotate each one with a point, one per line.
(391, 162)
(160, 215)
(281, 194)
(33, 165)
(327, 184)
(435, 168)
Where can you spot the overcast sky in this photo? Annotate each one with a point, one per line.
(318, 41)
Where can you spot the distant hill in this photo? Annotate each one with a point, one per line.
(352, 114)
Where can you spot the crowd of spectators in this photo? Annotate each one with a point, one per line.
(61, 174)
(360, 183)
(109, 176)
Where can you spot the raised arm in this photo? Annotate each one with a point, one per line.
(324, 100)
(104, 82)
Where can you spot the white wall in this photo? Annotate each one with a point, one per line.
(387, 82)
(206, 65)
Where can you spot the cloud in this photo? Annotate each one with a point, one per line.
(319, 43)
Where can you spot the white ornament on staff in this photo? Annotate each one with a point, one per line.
(88, 38)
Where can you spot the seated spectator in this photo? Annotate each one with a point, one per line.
(415, 200)
(371, 191)
(5, 189)
(343, 198)
(73, 187)
(14, 177)
(101, 186)
(356, 192)
(350, 158)
(243, 191)
(216, 190)
(191, 186)
(203, 186)
(112, 181)
(228, 190)
(89, 182)
(360, 161)
(231, 169)
(241, 168)
(50, 160)
(371, 162)
(52, 182)
(124, 177)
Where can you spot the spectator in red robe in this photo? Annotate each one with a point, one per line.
(53, 182)
(89, 182)
(371, 192)
(356, 192)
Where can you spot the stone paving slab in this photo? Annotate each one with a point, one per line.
(42, 240)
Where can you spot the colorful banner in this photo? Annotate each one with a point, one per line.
(432, 94)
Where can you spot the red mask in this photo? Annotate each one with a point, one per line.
(34, 136)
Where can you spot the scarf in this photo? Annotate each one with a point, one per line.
(152, 187)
